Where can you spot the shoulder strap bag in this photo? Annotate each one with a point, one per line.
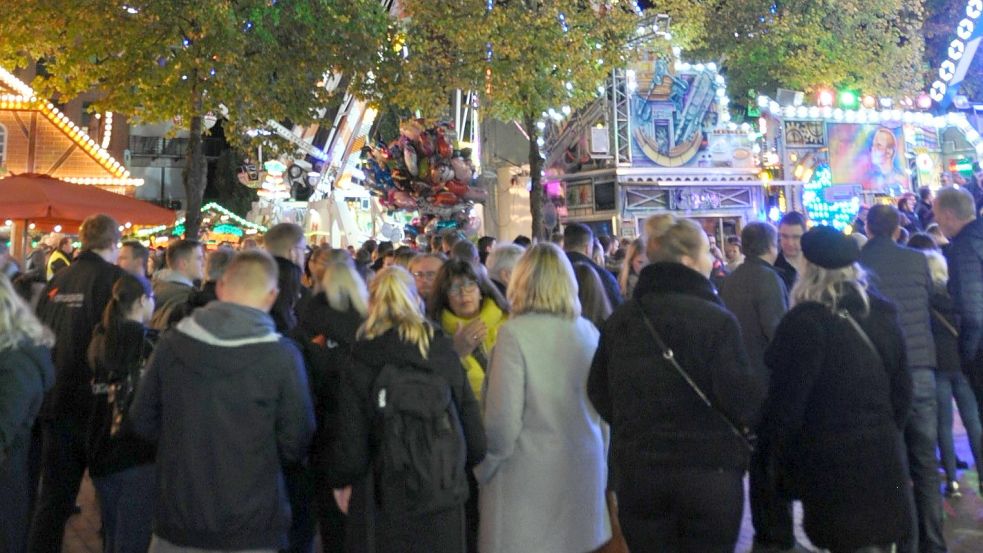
(744, 434)
(944, 322)
(844, 314)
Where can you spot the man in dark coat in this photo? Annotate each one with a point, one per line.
(578, 240)
(756, 295)
(955, 212)
(71, 305)
(790, 230)
(924, 207)
(227, 401)
(286, 243)
(174, 285)
(901, 274)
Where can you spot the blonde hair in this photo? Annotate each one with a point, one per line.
(18, 325)
(635, 249)
(830, 286)
(543, 282)
(394, 303)
(937, 267)
(681, 238)
(344, 288)
(655, 227)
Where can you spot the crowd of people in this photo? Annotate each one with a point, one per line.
(574, 395)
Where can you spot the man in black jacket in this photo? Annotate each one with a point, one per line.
(790, 230)
(286, 243)
(578, 240)
(756, 295)
(901, 274)
(71, 305)
(955, 212)
(226, 399)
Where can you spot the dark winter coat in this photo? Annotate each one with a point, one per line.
(110, 453)
(925, 214)
(835, 415)
(357, 446)
(326, 337)
(72, 305)
(945, 331)
(901, 275)
(611, 287)
(756, 295)
(786, 271)
(965, 257)
(226, 400)
(656, 419)
(26, 373)
(284, 311)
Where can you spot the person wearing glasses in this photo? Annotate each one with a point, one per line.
(424, 269)
(469, 308)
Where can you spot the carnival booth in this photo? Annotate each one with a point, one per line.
(218, 226)
(831, 160)
(670, 147)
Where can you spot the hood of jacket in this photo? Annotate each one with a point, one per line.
(674, 278)
(229, 325)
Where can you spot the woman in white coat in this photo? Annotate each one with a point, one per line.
(543, 479)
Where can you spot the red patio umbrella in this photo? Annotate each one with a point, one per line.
(47, 201)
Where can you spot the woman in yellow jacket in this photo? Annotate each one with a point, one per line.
(469, 308)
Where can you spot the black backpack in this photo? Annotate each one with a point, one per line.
(419, 464)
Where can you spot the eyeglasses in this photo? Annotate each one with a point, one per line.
(465, 287)
(425, 275)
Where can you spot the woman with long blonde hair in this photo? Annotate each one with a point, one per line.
(26, 373)
(396, 337)
(839, 397)
(543, 433)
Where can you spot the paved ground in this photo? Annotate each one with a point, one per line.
(963, 526)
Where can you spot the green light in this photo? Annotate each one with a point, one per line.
(848, 99)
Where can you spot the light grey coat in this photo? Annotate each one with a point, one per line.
(543, 479)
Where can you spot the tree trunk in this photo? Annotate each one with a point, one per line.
(194, 178)
(536, 195)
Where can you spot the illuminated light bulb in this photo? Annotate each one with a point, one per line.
(947, 70)
(974, 8)
(956, 49)
(965, 29)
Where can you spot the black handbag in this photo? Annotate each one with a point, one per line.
(746, 436)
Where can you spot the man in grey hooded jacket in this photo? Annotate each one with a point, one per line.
(226, 399)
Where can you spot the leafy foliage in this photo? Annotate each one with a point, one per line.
(872, 45)
(523, 56)
(247, 60)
